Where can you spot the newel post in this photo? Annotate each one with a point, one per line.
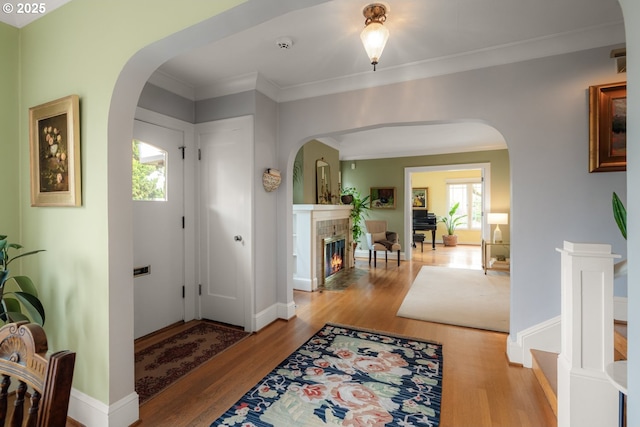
(585, 395)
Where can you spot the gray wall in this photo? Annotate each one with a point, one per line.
(164, 102)
(541, 108)
(265, 209)
(225, 107)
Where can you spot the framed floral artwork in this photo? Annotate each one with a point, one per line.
(608, 127)
(54, 142)
(382, 197)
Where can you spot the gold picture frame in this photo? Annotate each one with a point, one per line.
(419, 198)
(608, 127)
(54, 142)
(382, 197)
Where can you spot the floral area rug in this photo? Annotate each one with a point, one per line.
(347, 377)
(161, 364)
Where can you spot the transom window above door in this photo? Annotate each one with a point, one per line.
(149, 179)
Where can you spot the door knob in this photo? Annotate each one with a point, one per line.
(237, 238)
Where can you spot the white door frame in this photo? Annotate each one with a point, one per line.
(486, 197)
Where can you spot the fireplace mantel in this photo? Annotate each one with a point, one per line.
(311, 224)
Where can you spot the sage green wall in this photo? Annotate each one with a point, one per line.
(309, 154)
(81, 48)
(390, 173)
(9, 152)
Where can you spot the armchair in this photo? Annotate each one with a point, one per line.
(379, 239)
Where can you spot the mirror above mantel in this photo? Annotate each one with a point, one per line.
(323, 182)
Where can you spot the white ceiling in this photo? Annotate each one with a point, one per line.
(427, 38)
(19, 13)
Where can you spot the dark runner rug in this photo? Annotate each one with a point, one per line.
(161, 364)
(345, 376)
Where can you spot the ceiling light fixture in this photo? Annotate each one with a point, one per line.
(375, 35)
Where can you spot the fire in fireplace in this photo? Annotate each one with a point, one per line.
(334, 255)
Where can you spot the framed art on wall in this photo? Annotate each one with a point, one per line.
(54, 142)
(382, 197)
(608, 127)
(419, 198)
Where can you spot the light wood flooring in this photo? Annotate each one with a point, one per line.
(480, 387)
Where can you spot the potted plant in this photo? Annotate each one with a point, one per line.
(451, 222)
(620, 216)
(358, 211)
(13, 301)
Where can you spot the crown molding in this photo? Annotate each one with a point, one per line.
(558, 44)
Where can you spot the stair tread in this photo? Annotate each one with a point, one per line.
(620, 328)
(545, 369)
(548, 363)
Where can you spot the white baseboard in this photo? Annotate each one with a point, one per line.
(286, 311)
(543, 336)
(91, 412)
(305, 284)
(546, 336)
(620, 308)
(265, 317)
(273, 313)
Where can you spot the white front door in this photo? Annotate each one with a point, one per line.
(226, 220)
(158, 234)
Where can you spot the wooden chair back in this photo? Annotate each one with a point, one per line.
(44, 380)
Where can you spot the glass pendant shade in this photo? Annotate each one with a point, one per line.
(374, 38)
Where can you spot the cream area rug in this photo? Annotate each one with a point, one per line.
(459, 297)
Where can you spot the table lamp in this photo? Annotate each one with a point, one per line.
(497, 219)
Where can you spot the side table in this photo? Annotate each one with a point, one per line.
(493, 263)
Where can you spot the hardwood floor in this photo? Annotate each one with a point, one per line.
(480, 387)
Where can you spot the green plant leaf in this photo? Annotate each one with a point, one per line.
(9, 306)
(16, 316)
(620, 214)
(26, 285)
(32, 305)
(24, 254)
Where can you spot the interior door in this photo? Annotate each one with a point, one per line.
(226, 220)
(158, 234)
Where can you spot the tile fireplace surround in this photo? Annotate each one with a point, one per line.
(311, 225)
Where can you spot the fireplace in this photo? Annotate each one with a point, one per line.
(334, 255)
(312, 225)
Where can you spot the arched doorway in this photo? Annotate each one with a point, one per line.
(120, 217)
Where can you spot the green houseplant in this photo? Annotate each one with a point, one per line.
(358, 212)
(620, 216)
(451, 222)
(25, 295)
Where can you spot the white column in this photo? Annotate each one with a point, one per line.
(585, 396)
